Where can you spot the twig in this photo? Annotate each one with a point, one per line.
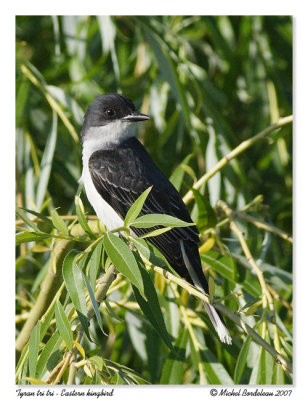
(52, 102)
(49, 287)
(55, 371)
(267, 298)
(262, 225)
(66, 363)
(230, 314)
(235, 152)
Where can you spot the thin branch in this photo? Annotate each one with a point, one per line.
(262, 225)
(230, 314)
(235, 152)
(49, 287)
(267, 298)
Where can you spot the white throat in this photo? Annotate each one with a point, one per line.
(105, 137)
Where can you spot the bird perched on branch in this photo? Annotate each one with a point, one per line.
(117, 169)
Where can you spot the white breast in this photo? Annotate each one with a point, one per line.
(99, 138)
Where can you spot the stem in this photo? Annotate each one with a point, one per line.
(267, 298)
(262, 225)
(66, 363)
(52, 102)
(49, 287)
(102, 289)
(235, 152)
(230, 314)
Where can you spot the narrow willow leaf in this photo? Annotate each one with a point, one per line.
(123, 259)
(97, 361)
(151, 220)
(156, 232)
(278, 375)
(241, 360)
(152, 254)
(63, 325)
(95, 306)
(94, 264)
(174, 366)
(46, 323)
(81, 217)
(59, 223)
(111, 312)
(222, 264)
(80, 349)
(35, 381)
(253, 308)
(25, 237)
(125, 370)
(207, 245)
(24, 217)
(168, 69)
(177, 175)
(215, 370)
(73, 278)
(151, 307)
(40, 216)
(49, 349)
(206, 215)
(34, 343)
(46, 162)
(267, 365)
(136, 208)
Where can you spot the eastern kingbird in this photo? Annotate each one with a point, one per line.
(117, 169)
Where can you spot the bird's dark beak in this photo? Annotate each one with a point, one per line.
(135, 116)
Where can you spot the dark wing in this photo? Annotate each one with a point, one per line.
(120, 176)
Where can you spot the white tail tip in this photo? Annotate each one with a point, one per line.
(219, 326)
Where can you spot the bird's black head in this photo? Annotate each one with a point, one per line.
(111, 107)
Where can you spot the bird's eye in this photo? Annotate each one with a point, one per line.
(110, 112)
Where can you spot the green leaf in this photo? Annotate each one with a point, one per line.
(25, 237)
(125, 370)
(151, 220)
(59, 223)
(95, 307)
(73, 278)
(111, 312)
(136, 208)
(278, 375)
(156, 232)
(63, 325)
(168, 69)
(174, 366)
(94, 264)
(24, 217)
(151, 253)
(97, 361)
(151, 308)
(74, 281)
(224, 265)
(177, 175)
(49, 349)
(241, 360)
(34, 342)
(206, 215)
(81, 217)
(45, 324)
(123, 259)
(39, 215)
(46, 162)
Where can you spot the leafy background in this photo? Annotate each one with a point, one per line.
(209, 83)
